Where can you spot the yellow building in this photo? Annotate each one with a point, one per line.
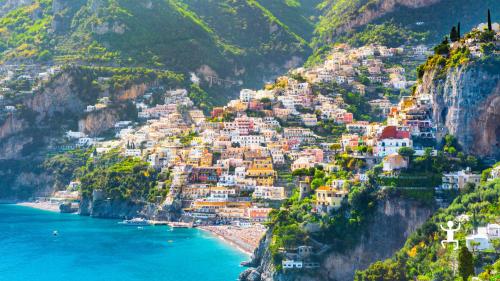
(206, 160)
(329, 198)
(269, 181)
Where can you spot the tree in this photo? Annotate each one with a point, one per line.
(490, 28)
(454, 34)
(474, 246)
(317, 183)
(335, 147)
(458, 30)
(465, 265)
(443, 48)
(407, 153)
(496, 245)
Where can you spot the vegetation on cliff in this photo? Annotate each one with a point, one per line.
(414, 21)
(289, 223)
(423, 258)
(117, 176)
(122, 178)
(457, 53)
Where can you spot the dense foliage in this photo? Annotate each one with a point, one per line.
(288, 224)
(423, 255)
(119, 177)
(214, 37)
(423, 24)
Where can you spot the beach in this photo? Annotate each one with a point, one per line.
(41, 205)
(246, 239)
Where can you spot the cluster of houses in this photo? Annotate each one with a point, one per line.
(18, 80)
(227, 166)
(351, 67)
(231, 165)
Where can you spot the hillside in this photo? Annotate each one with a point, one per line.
(424, 21)
(423, 258)
(244, 41)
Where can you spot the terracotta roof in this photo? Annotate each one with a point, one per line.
(392, 132)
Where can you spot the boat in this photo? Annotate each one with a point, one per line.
(180, 224)
(135, 222)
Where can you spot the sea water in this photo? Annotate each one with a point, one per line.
(89, 249)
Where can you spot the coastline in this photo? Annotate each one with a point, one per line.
(45, 206)
(243, 239)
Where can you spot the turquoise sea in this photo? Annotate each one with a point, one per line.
(90, 249)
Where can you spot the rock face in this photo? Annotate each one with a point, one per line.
(466, 104)
(57, 98)
(97, 122)
(383, 7)
(58, 106)
(394, 220)
(113, 209)
(119, 209)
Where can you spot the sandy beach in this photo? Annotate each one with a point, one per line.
(246, 239)
(46, 206)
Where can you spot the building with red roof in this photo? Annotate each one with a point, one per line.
(392, 139)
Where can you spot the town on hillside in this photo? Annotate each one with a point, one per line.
(228, 171)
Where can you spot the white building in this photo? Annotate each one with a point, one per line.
(290, 264)
(75, 135)
(309, 120)
(269, 192)
(250, 140)
(457, 180)
(483, 237)
(247, 95)
(133, 152)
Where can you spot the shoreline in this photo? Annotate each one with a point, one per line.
(235, 236)
(226, 241)
(45, 206)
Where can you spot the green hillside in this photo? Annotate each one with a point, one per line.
(245, 40)
(423, 258)
(426, 24)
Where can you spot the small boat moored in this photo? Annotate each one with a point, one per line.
(135, 222)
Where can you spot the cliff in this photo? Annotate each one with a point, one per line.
(98, 122)
(120, 209)
(466, 104)
(376, 9)
(114, 208)
(58, 106)
(415, 21)
(394, 220)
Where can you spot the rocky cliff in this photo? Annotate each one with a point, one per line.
(60, 96)
(43, 117)
(376, 9)
(394, 220)
(114, 208)
(119, 209)
(466, 104)
(97, 122)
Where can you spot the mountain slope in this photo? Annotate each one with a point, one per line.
(432, 18)
(245, 40)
